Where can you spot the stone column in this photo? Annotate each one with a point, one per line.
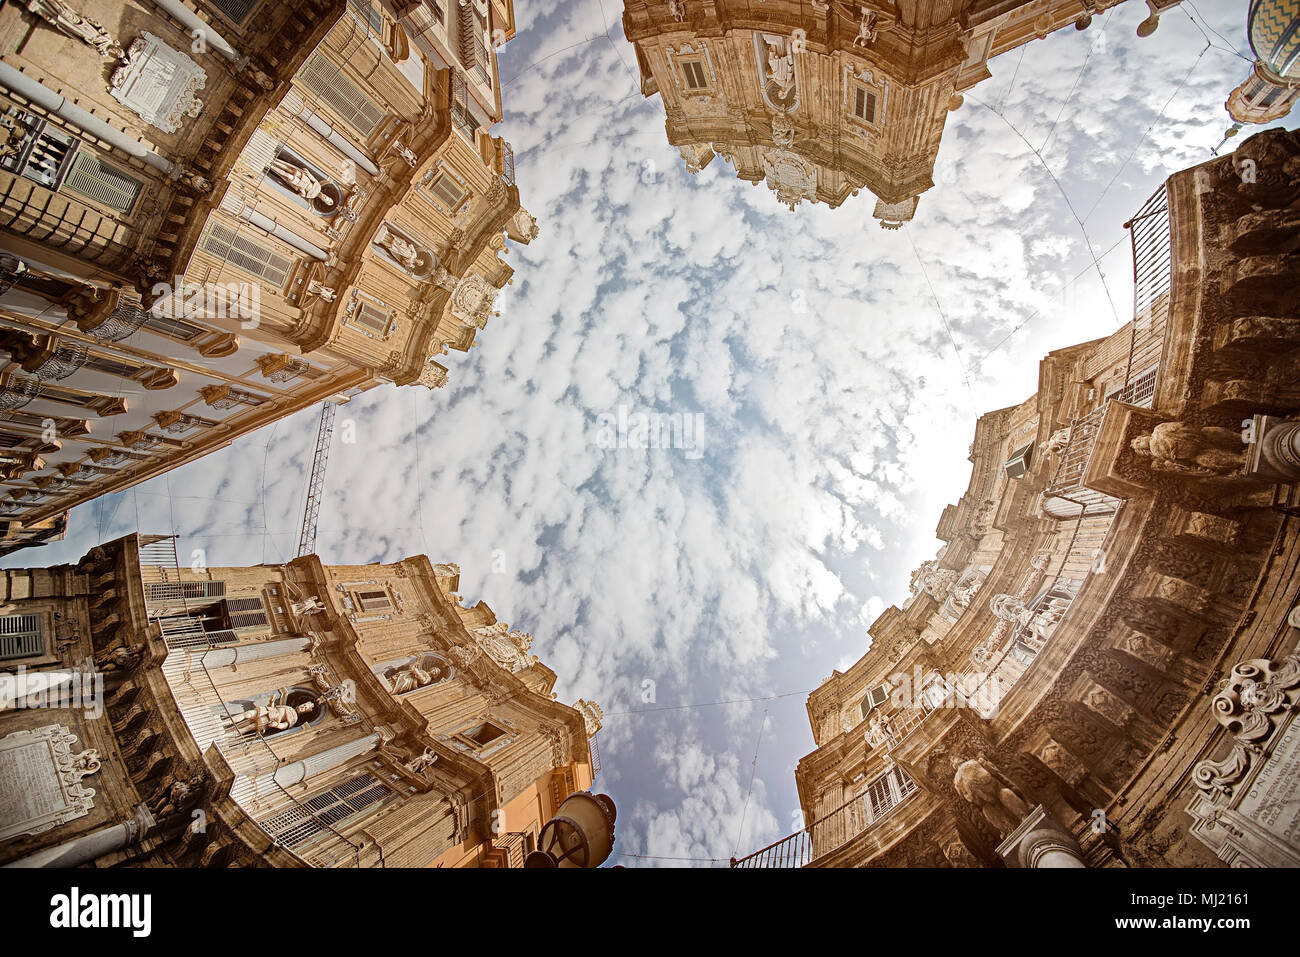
(91, 846)
(1041, 840)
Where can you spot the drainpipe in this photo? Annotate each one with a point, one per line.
(195, 24)
(96, 844)
(340, 142)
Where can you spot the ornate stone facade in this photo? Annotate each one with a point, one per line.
(250, 716)
(1138, 580)
(821, 100)
(302, 207)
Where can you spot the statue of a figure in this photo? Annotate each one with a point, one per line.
(1179, 447)
(300, 181)
(61, 16)
(871, 26)
(780, 70)
(418, 764)
(965, 590)
(272, 716)
(1000, 805)
(397, 247)
(934, 581)
(678, 9)
(308, 606)
(412, 676)
(1058, 441)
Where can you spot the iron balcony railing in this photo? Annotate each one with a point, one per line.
(507, 163)
(881, 797)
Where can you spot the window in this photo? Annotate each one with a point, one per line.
(93, 178)
(864, 104)
(374, 320)
(236, 10)
(373, 600)
(298, 825)
(248, 255)
(245, 612)
(20, 637)
(1018, 465)
(874, 699)
(484, 734)
(327, 81)
(693, 72)
(177, 592)
(368, 15)
(446, 192)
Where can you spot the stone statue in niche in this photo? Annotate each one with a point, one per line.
(411, 676)
(999, 805)
(397, 247)
(300, 180)
(780, 70)
(269, 717)
(1179, 447)
(418, 764)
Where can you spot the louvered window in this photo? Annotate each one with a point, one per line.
(357, 109)
(864, 104)
(169, 592)
(368, 15)
(236, 10)
(92, 177)
(372, 319)
(175, 328)
(20, 636)
(246, 612)
(447, 193)
(874, 699)
(243, 253)
(298, 825)
(693, 70)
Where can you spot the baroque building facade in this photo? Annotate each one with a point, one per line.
(278, 715)
(1101, 666)
(215, 215)
(820, 99)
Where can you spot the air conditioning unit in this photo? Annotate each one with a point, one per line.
(1018, 465)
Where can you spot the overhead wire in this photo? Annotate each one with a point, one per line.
(947, 327)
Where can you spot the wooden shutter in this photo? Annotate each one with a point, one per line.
(344, 97)
(20, 636)
(694, 72)
(246, 612)
(449, 193)
(246, 254)
(372, 318)
(92, 177)
(864, 105)
(374, 600)
(236, 11)
(180, 591)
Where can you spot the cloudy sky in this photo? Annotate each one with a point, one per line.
(837, 396)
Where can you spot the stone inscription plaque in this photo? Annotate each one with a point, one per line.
(1273, 800)
(40, 781)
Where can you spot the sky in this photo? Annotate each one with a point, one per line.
(833, 372)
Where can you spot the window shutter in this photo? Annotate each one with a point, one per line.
(246, 612)
(694, 72)
(236, 10)
(448, 192)
(20, 636)
(372, 318)
(326, 80)
(179, 591)
(864, 104)
(243, 253)
(92, 177)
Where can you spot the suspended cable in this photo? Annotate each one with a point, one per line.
(753, 771)
(1101, 40)
(709, 704)
(947, 328)
(1147, 132)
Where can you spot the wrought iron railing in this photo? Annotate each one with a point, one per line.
(883, 795)
(507, 163)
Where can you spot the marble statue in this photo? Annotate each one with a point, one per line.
(275, 717)
(300, 181)
(397, 247)
(999, 805)
(61, 16)
(1179, 447)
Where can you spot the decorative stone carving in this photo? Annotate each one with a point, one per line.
(300, 180)
(1058, 442)
(471, 301)
(1275, 453)
(40, 780)
(63, 18)
(1179, 447)
(790, 176)
(417, 764)
(510, 651)
(872, 24)
(999, 805)
(592, 714)
(934, 581)
(402, 252)
(158, 83)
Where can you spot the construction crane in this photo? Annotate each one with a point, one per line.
(316, 484)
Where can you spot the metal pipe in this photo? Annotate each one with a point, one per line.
(336, 139)
(197, 25)
(267, 224)
(56, 105)
(92, 846)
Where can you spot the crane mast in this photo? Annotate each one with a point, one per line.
(316, 483)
